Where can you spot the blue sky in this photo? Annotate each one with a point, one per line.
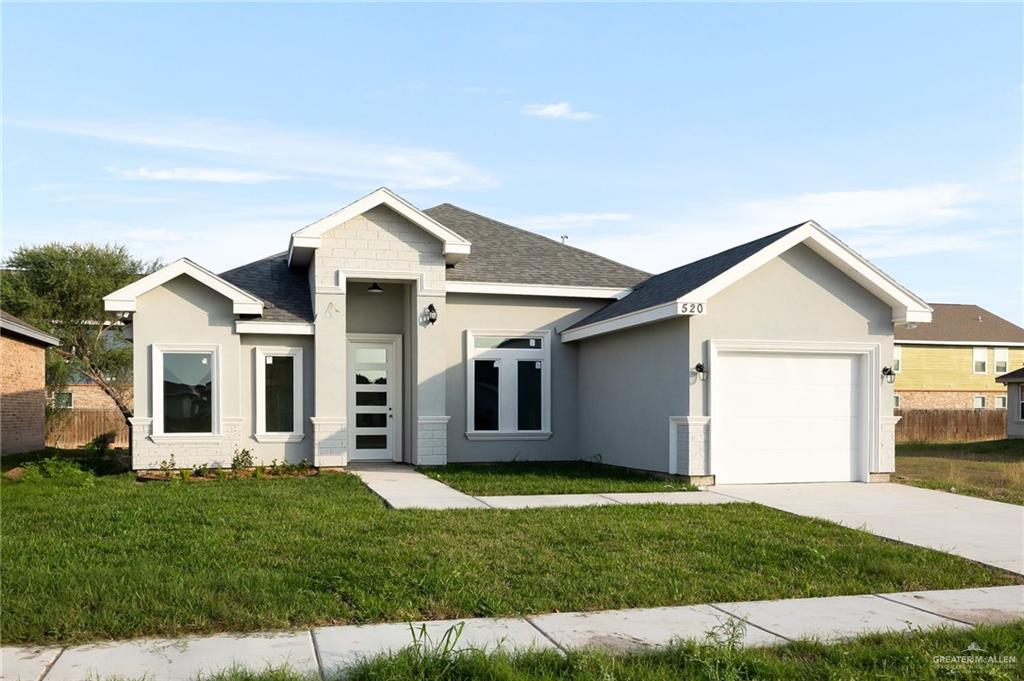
(654, 135)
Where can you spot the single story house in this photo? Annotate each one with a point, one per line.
(23, 381)
(386, 332)
(1014, 382)
(953, 362)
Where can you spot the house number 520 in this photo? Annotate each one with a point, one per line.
(691, 308)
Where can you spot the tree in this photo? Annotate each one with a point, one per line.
(59, 288)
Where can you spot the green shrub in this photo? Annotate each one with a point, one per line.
(101, 443)
(241, 459)
(58, 470)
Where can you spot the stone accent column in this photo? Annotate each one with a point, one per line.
(144, 455)
(432, 441)
(886, 449)
(429, 403)
(688, 445)
(330, 441)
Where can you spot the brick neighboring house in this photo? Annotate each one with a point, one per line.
(23, 392)
(953, 362)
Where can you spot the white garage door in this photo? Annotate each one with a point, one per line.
(786, 418)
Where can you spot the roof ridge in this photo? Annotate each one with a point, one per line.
(535, 234)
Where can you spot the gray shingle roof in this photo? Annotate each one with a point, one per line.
(1015, 376)
(285, 290)
(952, 322)
(12, 326)
(509, 255)
(668, 286)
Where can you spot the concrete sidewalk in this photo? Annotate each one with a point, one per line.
(327, 651)
(401, 486)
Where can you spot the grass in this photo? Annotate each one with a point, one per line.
(120, 559)
(546, 477)
(990, 470)
(112, 462)
(911, 656)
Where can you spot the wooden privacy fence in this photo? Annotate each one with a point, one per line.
(77, 427)
(950, 425)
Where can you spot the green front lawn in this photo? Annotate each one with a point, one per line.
(119, 558)
(910, 656)
(990, 470)
(540, 477)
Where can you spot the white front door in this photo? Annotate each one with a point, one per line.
(374, 397)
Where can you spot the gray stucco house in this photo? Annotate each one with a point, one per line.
(389, 333)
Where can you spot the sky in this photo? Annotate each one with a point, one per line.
(651, 134)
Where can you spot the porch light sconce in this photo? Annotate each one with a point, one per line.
(431, 313)
(375, 288)
(699, 370)
(888, 374)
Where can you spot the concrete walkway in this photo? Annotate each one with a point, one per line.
(985, 531)
(327, 651)
(401, 486)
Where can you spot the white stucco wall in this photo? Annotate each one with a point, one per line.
(513, 313)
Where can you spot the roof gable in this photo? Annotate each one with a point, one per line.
(303, 241)
(687, 289)
(509, 255)
(124, 299)
(953, 323)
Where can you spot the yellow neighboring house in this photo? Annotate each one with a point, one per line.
(953, 362)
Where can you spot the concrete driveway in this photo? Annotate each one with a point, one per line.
(985, 531)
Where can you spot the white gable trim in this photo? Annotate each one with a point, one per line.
(498, 288)
(124, 299)
(906, 307)
(455, 248)
(276, 328)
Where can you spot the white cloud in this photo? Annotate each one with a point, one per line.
(561, 110)
(219, 175)
(571, 220)
(881, 223)
(274, 150)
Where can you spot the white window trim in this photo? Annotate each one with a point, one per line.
(897, 359)
(297, 432)
(473, 354)
(157, 391)
(974, 402)
(896, 401)
(1005, 399)
(974, 354)
(53, 399)
(1001, 355)
(1020, 402)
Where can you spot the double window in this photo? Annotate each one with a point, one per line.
(278, 374)
(508, 385)
(185, 390)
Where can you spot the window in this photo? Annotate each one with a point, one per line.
(981, 360)
(897, 358)
(979, 401)
(508, 385)
(1000, 401)
(1020, 398)
(278, 382)
(895, 401)
(185, 390)
(64, 400)
(1002, 360)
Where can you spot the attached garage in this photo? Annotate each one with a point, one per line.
(789, 416)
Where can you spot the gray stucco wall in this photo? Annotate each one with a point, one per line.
(797, 296)
(513, 313)
(1014, 423)
(631, 382)
(266, 452)
(185, 312)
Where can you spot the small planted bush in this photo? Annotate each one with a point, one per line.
(58, 470)
(241, 459)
